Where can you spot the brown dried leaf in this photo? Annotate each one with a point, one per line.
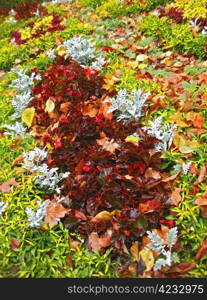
(6, 186)
(150, 173)
(93, 241)
(148, 258)
(182, 268)
(135, 250)
(55, 211)
(202, 251)
(108, 145)
(201, 176)
(176, 197)
(171, 177)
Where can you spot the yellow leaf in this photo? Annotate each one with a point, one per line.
(135, 250)
(133, 64)
(147, 257)
(50, 105)
(61, 51)
(185, 146)
(28, 116)
(132, 139)
(142, 66)
(178, 119)
(105, 215)
(141, 57)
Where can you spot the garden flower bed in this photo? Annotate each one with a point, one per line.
(103, 139)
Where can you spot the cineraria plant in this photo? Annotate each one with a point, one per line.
(33, 158)
(83, 51)
(23, 83)
(49, 178)
(184, 167)
(3, 206)
(163, 132)
(128, 105)
(35, 218)
(20, 102)
(17, 129)
(163, 247)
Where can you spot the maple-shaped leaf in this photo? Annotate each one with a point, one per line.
(6, 186)
(55, 211)
(108, 145)
(98, 243)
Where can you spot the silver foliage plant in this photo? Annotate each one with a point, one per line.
(16, 129)
(33, 158)
(3, 206)
(128, 105)
(163, 132)
(23, 84)
(83, 51)
(35, 218)
(160, 246)
(184, 167)
(48, 178)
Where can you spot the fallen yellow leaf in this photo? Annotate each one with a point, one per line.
(28, 116)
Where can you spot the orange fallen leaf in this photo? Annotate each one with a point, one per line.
(90, 111)
(19, 159)
(134, 250)
(108, 145)
(176, 197)
(202, 251)
(150, 173)
(54, 212)
(201, 176)
(6, 186)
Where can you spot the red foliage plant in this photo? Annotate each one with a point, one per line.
(26, 10)
(54, 25)
(108, 186)
(173, 13)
